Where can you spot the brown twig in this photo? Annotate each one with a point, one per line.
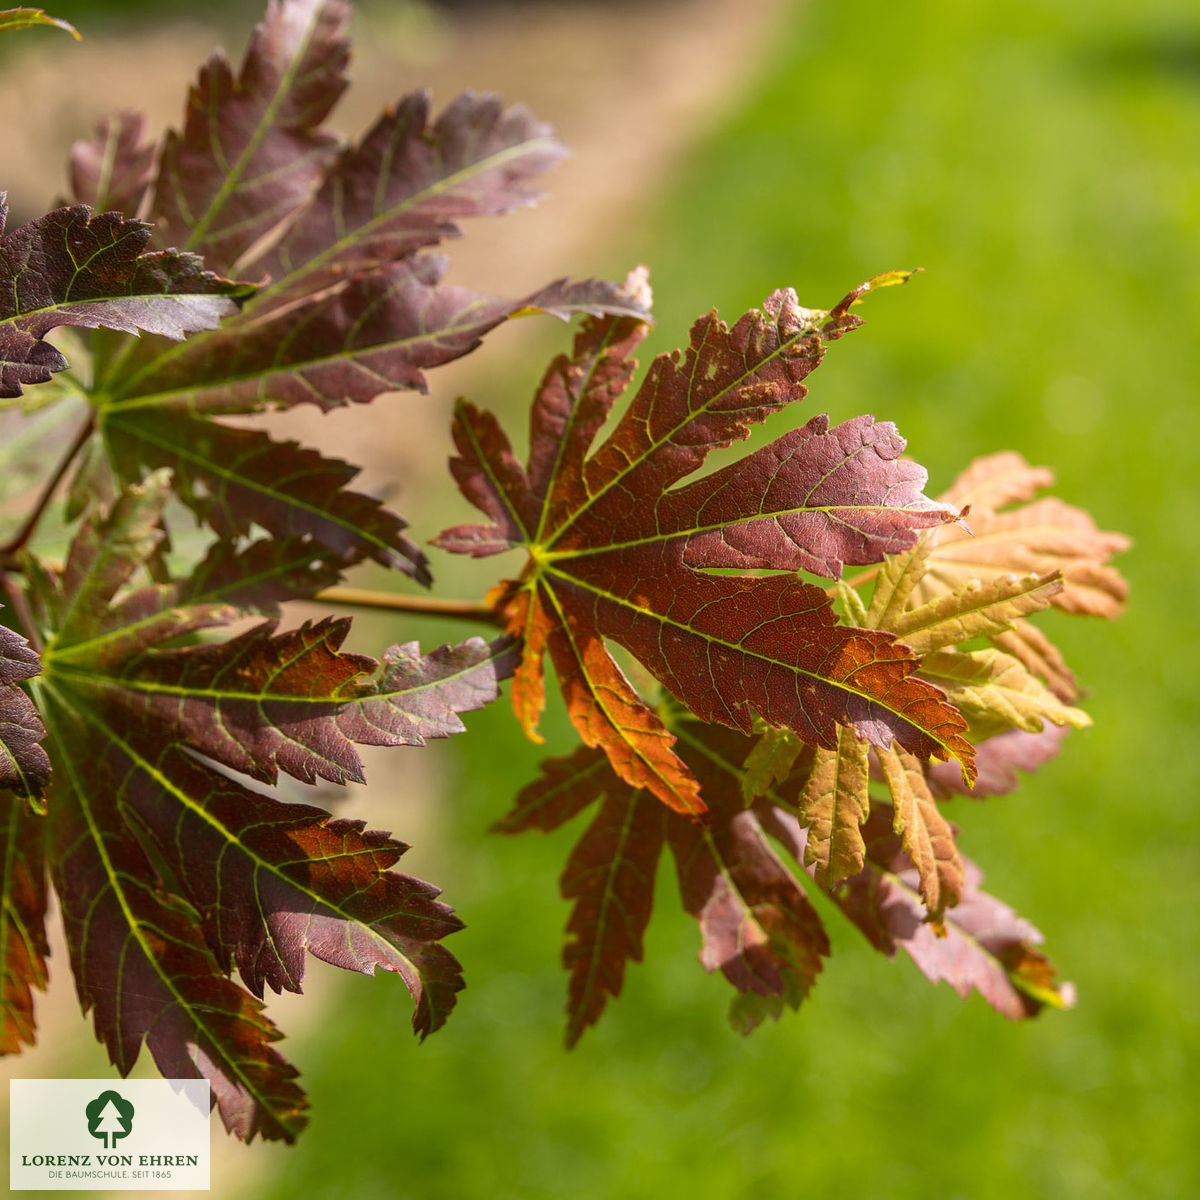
(20, 607)
(430, 606)
(18, 540)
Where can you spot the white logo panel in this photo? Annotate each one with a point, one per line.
(105, 1134)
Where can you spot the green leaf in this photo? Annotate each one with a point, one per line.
(975, 609)
(12, 19)
(771, 761)
(834, 804)
(995, 692)
(927, 837)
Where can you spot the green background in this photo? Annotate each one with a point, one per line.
(1038, 160)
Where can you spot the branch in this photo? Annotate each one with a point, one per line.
(18, 540)
(20, 607)
(429, 606)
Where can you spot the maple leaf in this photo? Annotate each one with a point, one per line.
(610, 877)
(235, 479)
(254, 180)
(835, 803)
(409, 181)
(996, 693)
(379, 332)
(997, 760)
(24, 767)
(251, 148)
(993, 686)
(619, 551)
(757, 927)
(936, 596)
(76, 267)
(993, 690)
(1039, 537)
(348, 310)
(23, 947)
(980, 944)
(114, 167)
(1043, 537)
(169, 869)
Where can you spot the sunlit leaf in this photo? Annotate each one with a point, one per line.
(618, 551)
(1039, 537)
(12, 19)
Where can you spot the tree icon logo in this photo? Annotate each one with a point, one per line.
(109, 1117)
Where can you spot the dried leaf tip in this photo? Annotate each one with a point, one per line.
(637, 288)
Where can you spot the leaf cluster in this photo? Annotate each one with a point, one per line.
(768, 720)
(251, 261)
(780, 731)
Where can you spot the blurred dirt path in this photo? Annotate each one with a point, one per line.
(630, 87)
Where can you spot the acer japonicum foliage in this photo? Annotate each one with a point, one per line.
(773, 729)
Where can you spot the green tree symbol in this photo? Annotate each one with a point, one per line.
(109, 1116)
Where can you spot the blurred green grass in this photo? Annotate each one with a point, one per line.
(1039, 161)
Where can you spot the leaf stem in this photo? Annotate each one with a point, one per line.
(431, 606)
(18, 540)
